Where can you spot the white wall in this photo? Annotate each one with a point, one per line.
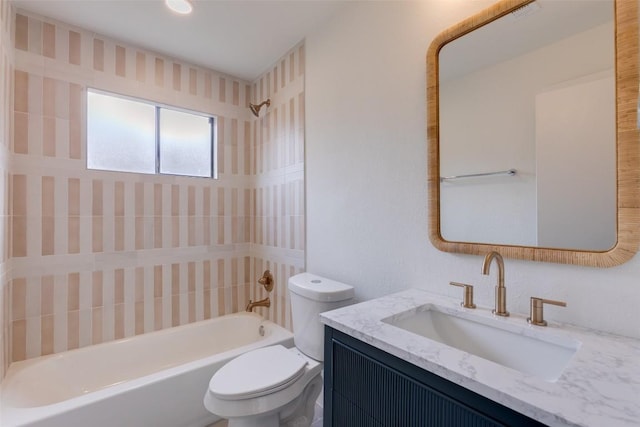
(366, 174)
(575, 130)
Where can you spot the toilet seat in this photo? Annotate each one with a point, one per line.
(257, 373)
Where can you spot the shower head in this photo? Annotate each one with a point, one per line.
(255, 108)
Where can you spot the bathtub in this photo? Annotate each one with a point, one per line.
(152, 380)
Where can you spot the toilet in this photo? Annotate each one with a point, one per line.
(276, 386)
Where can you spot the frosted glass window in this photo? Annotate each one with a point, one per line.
(121, 134)
(127, 135)
(185, 143)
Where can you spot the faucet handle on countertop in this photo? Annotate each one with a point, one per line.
(536, 316)
(467, 300)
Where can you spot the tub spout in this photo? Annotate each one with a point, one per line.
(261, 303)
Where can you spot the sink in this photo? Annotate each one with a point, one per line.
(500, 341)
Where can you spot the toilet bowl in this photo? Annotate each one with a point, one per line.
(275, 386)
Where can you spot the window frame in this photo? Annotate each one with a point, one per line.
(158, 106)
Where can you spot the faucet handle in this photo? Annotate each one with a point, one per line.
(536, 313)
(467, 300)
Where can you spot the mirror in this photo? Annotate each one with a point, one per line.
(532, 132)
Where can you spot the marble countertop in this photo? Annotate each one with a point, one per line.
(599, 387)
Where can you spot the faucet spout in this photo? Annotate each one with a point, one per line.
(261, 303)
(500, 308)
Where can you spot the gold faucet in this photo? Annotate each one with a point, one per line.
(500, 308)
(262, 303)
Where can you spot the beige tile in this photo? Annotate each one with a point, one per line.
(75, 139)
(139, 232)
(119, 286)
(18, 340)
(221, 309)
(48, 196)
(22, 32)
(139, 318)
(275, 79)
(141, 67)
(175, 279)
(21, 133)
(236, 93)
(191, 276)
(157, 281)
(175, 310)
(73, 196)
(207, 85)
(73, 330)
(19, 220)
(206, 275)
(97, 202)
(118, 198)
(157, 232)
(175, 200)
(157, 199)
(175, 232)
(21, 91)
(177, 76)
(46, 295)
(159, 72)
(301, 60)
(96, 325)
(139, 199)
(48, 235)
(220, 283)
(139, 285)
(97, 234)
(220, 234)
(292, 72)
(119, 227)
(191, 307)
(206, 302)
(96, 289)
(46, 334)
(157, 314)
(206, 231)
(48, 40)
(73, 237)
(119, 321)
(222, 91)
(74, 48)
(18, 299)
(73, 292)
(49, 136)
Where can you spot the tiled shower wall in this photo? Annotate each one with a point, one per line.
(98, 256)
(6, 104)
(278, 242)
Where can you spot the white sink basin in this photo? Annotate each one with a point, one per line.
(498, 340)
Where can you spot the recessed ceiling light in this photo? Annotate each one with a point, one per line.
(182, 7)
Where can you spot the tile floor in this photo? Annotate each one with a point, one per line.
(317, 419)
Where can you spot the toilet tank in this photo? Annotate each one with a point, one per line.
(311, 295)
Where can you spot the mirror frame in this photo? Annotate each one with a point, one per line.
(627, 145)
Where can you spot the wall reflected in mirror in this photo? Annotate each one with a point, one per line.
(532, 91)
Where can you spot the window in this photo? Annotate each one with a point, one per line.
(129, 135)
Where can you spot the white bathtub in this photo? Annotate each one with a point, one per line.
(151, 380)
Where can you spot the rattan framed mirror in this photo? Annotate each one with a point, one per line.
(627, 146)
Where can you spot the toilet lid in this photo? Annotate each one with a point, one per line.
(256, 373)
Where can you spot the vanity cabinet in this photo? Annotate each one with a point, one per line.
(366, 387)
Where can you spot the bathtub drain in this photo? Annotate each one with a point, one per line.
(261, 330)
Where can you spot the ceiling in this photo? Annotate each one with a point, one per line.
(242, 38)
